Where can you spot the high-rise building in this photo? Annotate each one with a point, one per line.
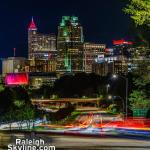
(121, 67)
(42, 51)
(70, 45)
(40, 46)
(41, 65)
(92, 52)
(122, 48)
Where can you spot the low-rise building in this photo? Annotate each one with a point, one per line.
(110, 67)
(14, 65)
(41, 78)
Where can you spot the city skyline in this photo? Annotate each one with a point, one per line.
(97, 23)
(74, 72)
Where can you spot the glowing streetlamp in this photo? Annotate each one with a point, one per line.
(107, 87)
(109, 97)
(114, 76)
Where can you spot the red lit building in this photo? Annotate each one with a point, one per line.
(14, 79)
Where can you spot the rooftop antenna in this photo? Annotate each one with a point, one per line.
(14, 52)
(32, 18)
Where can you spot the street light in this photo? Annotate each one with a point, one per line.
(126, 79)
(107, 87)
(114, 76)
(122, 104)
(109, 97)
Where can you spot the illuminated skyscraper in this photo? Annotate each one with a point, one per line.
(32, 42)
(41, 50)
(40, 46)
(70, 45)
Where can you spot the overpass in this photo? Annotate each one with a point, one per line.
(80, 103)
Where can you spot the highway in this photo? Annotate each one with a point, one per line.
(91, 143)
(80, 143)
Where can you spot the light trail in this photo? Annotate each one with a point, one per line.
(87, 124)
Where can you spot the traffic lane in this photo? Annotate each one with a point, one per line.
(90, 143)
(99, 143)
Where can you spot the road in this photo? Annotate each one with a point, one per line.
(84, 143)
(88, 143)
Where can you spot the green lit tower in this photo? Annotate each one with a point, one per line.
(70, 45)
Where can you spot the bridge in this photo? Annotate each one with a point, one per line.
(87, 104)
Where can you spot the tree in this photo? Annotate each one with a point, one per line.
(6, 100)
(15, 106)
(25, 112)
(28, 115)
(139, 11)
(78, 85)
(139, 103)
(9, 117)
(139, 100)
(1, 88)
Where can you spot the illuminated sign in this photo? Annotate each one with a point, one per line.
(121, 42)
(109, 50)
(101, 56)
(16, 79)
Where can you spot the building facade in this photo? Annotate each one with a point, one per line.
(40, 46)
(70, 45)
(39, 79)
(103, 68)
(92, 52)
(111, 67)
(14, 65)
(41, 65)
(42, 51)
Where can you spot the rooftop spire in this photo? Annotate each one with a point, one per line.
(32, 25)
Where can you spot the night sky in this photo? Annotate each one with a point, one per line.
(102, 20)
